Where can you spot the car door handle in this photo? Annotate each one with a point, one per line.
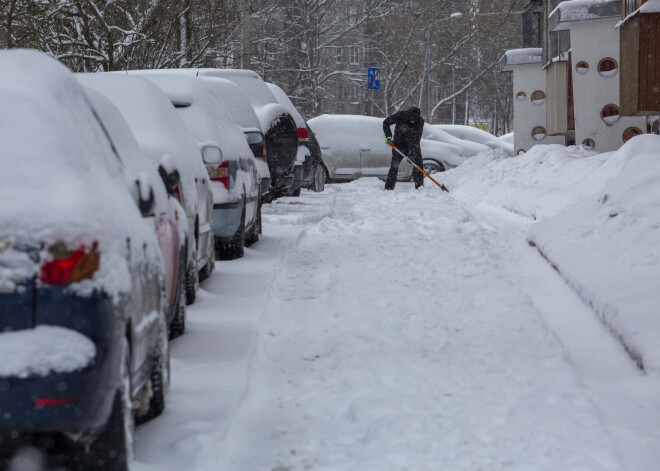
(365, 149)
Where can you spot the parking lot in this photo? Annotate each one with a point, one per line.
(396, 330)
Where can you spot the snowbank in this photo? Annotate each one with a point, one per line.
(470, 133)
(44, 350)
(598, 219)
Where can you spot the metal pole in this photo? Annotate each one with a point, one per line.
(453, 90)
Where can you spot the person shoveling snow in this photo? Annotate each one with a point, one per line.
(407, 137)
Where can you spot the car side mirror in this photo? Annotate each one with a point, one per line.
(144, 196)
(211, 154)
(170, 179)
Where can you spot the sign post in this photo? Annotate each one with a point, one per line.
(373, 79)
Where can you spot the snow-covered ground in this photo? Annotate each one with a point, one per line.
(419, 330)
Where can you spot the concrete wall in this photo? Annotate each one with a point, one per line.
(529, 78)
(592, 41)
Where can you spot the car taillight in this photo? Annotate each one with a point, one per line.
(70, 266)
(54, 401)
(265, 156)
(177, 194)
(303, 135)
(219, 173)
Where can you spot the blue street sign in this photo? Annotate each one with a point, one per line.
(374, 78)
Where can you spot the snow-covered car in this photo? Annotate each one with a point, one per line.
(165, 140)
(309, 159)
(276, 123)
(354, 147)
(169, 218)
(434, 132)
(243, 114)
(83, 336)
(470, 133)
(228, 159)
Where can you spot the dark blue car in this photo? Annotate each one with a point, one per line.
(83, 334)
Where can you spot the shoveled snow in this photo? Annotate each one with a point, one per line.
(374, 330)
(44, 350)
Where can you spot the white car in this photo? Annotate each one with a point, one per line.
(470, 133)
(164, 139)
(354, 147)
(243, 114)
(228, 159)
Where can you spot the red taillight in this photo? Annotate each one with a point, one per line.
(265, 156)
(70, 266)
(177, 194)
(303, 134)
(219, 173)
(54, 401)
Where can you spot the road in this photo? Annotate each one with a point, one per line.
(404, 330)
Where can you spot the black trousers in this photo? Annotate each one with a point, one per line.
(418, 177)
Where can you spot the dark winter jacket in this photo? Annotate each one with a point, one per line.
(408, 131)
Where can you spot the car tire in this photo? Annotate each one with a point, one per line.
(256, 229)
(235, 247)
(296, 192)
(192, 283)
(433, 166)
(178, 325)
(112, 449)
(159, 381)
(318, 184)
(210, 265)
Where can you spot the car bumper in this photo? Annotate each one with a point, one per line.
(227, 218)
(82, 400)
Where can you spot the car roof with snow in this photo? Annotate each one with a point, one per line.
(154, 123)
(203, 114)
(235, 100)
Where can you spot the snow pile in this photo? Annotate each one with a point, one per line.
(44, 350)
(652, 6)
(285, 101)
(468, 148)
(598, 220)
(57, 188)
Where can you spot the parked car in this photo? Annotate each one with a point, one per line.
(354, 147)
(313, 176)
(83, 338)
(470, 133)
(434, 132)
(244, 116)
(276, 123)
(170, 224)
(228, 159)
(166, 141)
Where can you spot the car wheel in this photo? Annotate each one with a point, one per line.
(192, 283)
(178, 325)
(235, 247)
(158, 381)
(433, 166)
(319, 179)
(256, 229)
(113, 448)
(210, 265)
(296, 192)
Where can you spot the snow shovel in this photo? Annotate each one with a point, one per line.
(444, 188)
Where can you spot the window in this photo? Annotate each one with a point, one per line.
(608, 67)
(338, 53)
(589, 144)
(353, 55)
(352, 15)
(354, 93)
(538, 97)
(520, 96)
(538, 133)
(582, 67)
(610, 114)
(630, 133)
